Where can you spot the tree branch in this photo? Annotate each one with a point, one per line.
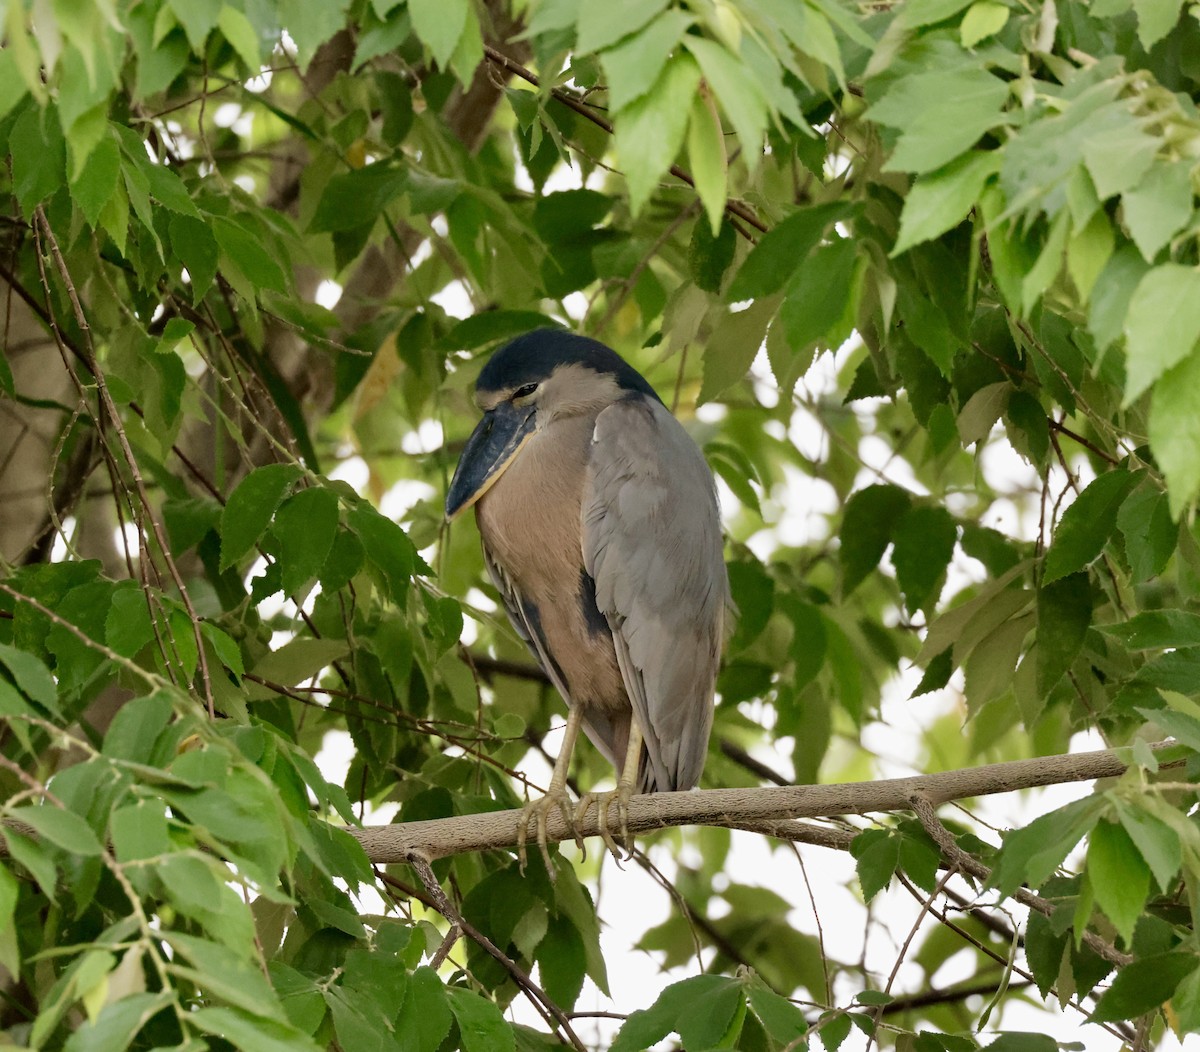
(768, 809)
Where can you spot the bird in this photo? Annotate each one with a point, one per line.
(600, 527)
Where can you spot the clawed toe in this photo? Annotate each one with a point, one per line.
(538, 811)
(604, 801)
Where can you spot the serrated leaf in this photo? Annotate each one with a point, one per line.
(1175, 431)
(602, 25)
(1150, 536)
(62, 828)
(632, 66)
(739, 96)
(941, 199)
(939, 114)
(732, 348)
(923, 542)
(1064, 612)
(781, 250)
(1087, 524)
(649, 132)
(876, 855)
(1158, 207)
(32, 677)
(1119, 876)
(1162, 326)
(1156, 18)
(439, 24)
(1032, 853)
(480, 1024)
(709, 256)
(251, 1033)
(250, 507)
(1142, 986)
(706, 157)
(299, 660)
(305, 525)
(867, 524)
(1158, 843)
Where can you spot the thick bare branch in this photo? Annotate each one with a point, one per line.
(739, 808)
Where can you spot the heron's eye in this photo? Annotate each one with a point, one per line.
(525, 390)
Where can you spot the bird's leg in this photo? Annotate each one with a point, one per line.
(556, 795)
(622, 795)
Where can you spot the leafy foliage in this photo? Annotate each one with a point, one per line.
(252, 257)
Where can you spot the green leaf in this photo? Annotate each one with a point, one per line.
(1087, 524)
(1157, 629)
(97, 181)
(1156, 18)
(562, 962)
(1175, 431)
(780, 1018)
(248, 255)
(388, 547)
(140, 831)
(1142, 986)
(118, 1023)
(632, 66)
(480, 1024)
(709, 255)
(876, 855)
(731, 349)
(867, 525)
(939, 114)
(250, 507)
(62, 828)
(649, 132)
(1150, 536)
(602, 25)
(236, 28)
(738, 95)
(492, 326)
(1158, 843)
(818, 296)
(1032, 853)
(305, 525)
(670, 1011)
(1064, 612)
(1163, 325)
(1158, 207)
(1120, 878)
(198, 19)
(12, 90)
(983, 409)
(982, 20)
(32, 678)
(941, 200)
(299, 659)
(39, 156)
(707, 160)
(439, 24)
(251, 1033)
(781, 250)
(193, 242)
(923, 542)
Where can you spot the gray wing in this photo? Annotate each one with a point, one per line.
(604, 732)
(527, 621)
(652, 543)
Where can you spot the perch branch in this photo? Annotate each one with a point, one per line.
(771, 809)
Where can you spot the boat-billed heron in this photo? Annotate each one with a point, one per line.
(600, 528)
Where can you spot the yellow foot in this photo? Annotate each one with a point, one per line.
(537, 811)
(604, 801)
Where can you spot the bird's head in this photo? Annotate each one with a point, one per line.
(525, 386)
